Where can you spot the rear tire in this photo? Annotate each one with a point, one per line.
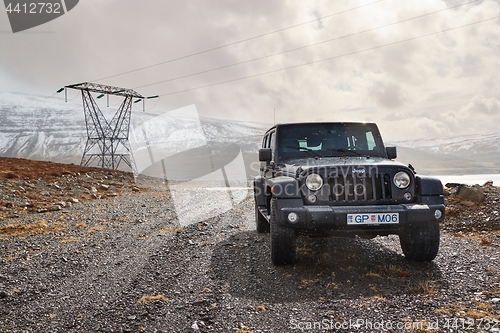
(420, 242)
(283, 241)
(261, 224)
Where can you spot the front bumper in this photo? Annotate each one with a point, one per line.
(335, 217)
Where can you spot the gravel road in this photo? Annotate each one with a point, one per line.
(124, 264)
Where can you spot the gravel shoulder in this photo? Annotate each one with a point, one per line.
(123, 263)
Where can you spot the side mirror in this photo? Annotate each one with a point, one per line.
(391, 152)
(265, 155)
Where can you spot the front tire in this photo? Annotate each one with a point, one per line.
(283, 241)
(420, 242)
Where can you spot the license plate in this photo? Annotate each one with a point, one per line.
(373, 218)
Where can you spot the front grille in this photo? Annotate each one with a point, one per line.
(358, 188)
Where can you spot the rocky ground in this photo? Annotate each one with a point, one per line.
(90, 250)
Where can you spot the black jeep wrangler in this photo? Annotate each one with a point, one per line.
(339, 179)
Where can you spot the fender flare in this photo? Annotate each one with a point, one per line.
(426, 186)
(429, 190)
(285, 188)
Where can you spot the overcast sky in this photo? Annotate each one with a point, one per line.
(410, 79)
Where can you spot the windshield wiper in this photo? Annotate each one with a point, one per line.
(342, 150)
(315, 154)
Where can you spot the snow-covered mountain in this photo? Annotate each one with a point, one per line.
(469, 144)
(43, 128)
(472, 154)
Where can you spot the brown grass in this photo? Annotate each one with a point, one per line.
(147, 299)
(305, 251)
(478, 314)
(97, 228)
(41, 227)
(10, 258)
(395, 271)
(244, 329)
(485, 241)
(484, 306)
(426, 287)
(171, 230)
(306, 282)
(379, 298)
(21, 168)
(373, 275)
(332, 285)
(495, 292)
(324, 258)
(70, 240)
(480, 311)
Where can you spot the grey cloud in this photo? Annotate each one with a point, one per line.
(106, 37)
(388, 95)
(482, 105)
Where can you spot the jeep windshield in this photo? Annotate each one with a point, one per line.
(319, 140)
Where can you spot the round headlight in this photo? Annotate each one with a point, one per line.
(402, 179)
(314, 182)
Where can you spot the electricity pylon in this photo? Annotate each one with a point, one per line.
(107, 141)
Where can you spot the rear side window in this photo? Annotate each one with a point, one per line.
(272, 143)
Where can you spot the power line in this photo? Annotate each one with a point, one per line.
(303, 47)
(234, 43)
(330, 58)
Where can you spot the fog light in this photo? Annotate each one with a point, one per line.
(311, 198)
(438, 214)
(407, 196)
(293, 217)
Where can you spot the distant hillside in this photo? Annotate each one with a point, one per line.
(50, 129)
(477, 154)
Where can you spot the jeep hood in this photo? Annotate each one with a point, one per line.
(325, 162)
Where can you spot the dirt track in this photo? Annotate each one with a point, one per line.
(122, 263)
